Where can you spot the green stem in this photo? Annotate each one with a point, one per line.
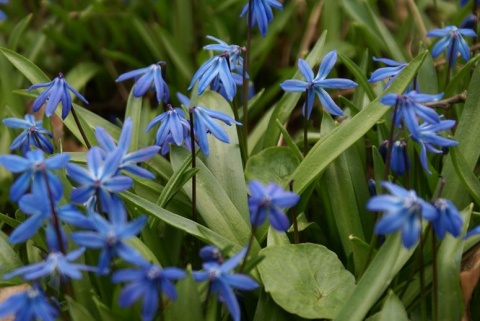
(296, 235)
(80, 128)
(194, 165)
(390, 142)
(435, 279)
(423, 302)
(246, 64)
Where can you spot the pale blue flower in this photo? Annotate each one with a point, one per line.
(391, 72)
(452, 43)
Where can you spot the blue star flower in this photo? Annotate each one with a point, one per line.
(58, 90)
(404, 211)
(148, 77)
(262, 13)
(34, 167)
(390, 72)
(223, 281)
(174, 128)
(33, 134)
(448, 220)
(147, 282)
(234, 53)
(56, 264)
(215, 72)
(100, 181)
(203, 123)
(410, 106)
(268, 201)
(31, 304)
(452, 43)
(111, 236)
(129, 160)
(315, 86)
(3, 16)
(427, 136)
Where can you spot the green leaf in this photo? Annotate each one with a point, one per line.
(134, 111)
(344, 136)
(78, 312)
(25, 66)
(306, 279)
(393, 309)
(359, 76)
(17, 32)
(9, 260)
(268, 310)
(467, 177)
(187, 306)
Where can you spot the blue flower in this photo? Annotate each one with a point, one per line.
(31, 304)
(210, 253)
(147, 282)
(316, 85)
(203, 123)
(404, 211)
(34, 167)
(390, 72)
(100, 181)
(427, 136)
(448, 220)
(174, 128)
(129, 160)
(470, 22)
(399, 160)
(149, 77)
(56, 264)
(58, 90)
(223, 281)
(452, 42)
(262, 13)
(33, 134)
(410, 106)
(215, 72)
(3, 16)
(234, 53)
(111, 236)
(464, 2)
(268, 201)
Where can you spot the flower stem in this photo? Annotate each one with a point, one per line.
(390, 142)
(296, 236)
(246, 63)
(423, 302)
(194, 165)
(435, 279)
(241, 135)
(249, 245)
(80, 128)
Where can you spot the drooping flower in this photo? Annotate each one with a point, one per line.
(203, 123)
(399, 160)
(147, 282)
(100, 180)
(427, 136)
(410, 106)
(58, 90)
(223, 281)
(129, 162)
(234, 53)
(470, 22)
(448, 220)
(262, 13)
(148, 77)
(36, 171)
(269, 201)
(404, 211)
(33, 134)
(31, 304)
(56, 264)
(391, 72)
(316, 86)
(174, 128)
(452, 43)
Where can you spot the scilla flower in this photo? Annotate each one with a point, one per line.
(262, 13)
(33, 134)
(448, 220)
(452, 43)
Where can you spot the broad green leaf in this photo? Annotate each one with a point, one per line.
(268, 310)
(78, 312)
(393, 309)
(344, 136)
(187, 306)
(449, 261)
(273, 164)
(9, 260)
(306, 279)
(389, 260)
(276, 238)
(467, 177)
(25, 66)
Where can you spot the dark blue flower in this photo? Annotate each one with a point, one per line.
(391, 72)
(174, 128)
(464, 2)
(470, 22)
(34, 168)
(427, 136)
(223, 281)
(129, 160)
(210, 253)
(399, 160)
(269, 201)
(215, 72)
(148, 77)
(31, 304)
(448, 220)
(56, 264)
(262, 13)
(149, 281)
(58, 90)
(404, 211)
(33, 134)
(100, 180)
(315, 86)
(203, 123)
(410, 106)
(3, 16)
(452, 42)
(111, 236)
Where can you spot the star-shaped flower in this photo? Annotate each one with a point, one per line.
(33, 134)
(316, 85)
(58, 90)
(391, 72)
(452, 43)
